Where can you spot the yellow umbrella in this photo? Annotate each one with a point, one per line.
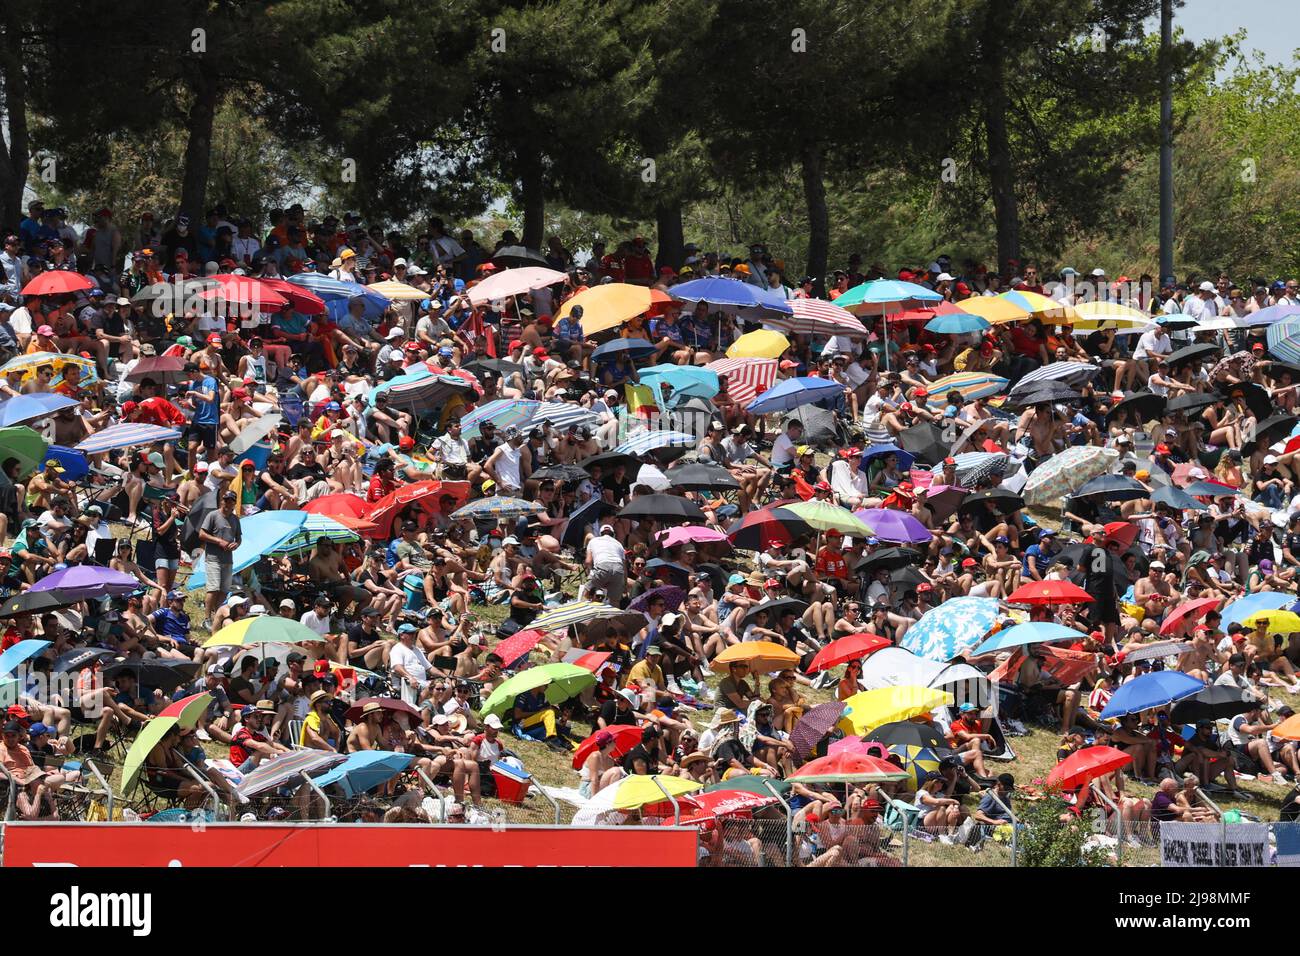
(1277, 622)
(996, 310)
(1109, 315)
(607, 306)
(870, 709)
(1040, 306)
(761, 344)
(763, 657)
(398, 291)
(639, 789)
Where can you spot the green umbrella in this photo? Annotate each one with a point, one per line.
(825, 516)
(24, 444)
(185, 713)
(751, 783)
(564, 680)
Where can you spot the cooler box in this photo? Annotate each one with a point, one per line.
(512, 783)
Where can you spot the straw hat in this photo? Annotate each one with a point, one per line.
(695, 756)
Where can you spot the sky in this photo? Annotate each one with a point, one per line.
(1270, 25)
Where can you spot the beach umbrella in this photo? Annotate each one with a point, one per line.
(871, 708)
(59, 361)
(632, 793)
(512, 282)
(888, 558)
(817, 317)
(732, 297)
(337, 506)
(575, 612)
(746, 377)
(287, 768)
(920, 762)
(793, 392)
(1113, 488)
(813, 726)
(517, 646)
(849, 768)
(1147, 405)
(1217, 702)
(422, 493)
(700, 476)
(1157, 689)
(977, 467)
(87, 581)
(761, 344)
(767, 525)
(993, 309)
(952, 628)
(845, 649)
(1283, 338)
(883, 296)
(562, 681)
(1084, 766)
(824, 516)
(1033, 632)
(1049, 593)
(314, 529)
(856, 745)
(1288, 729)
(896, 526)
(57, 282)
(706, 808)
(686, 381)
(184, 713)
(971, 385)
(1101, 314)
(260, 533)
(17, 654)
(364, 770)
(126, 435)
(1187, 611)
(648, 441)
(498, 506)
(1176, 498)
(421, 391)
(1040, 306)
(749, 783)
(609, 305)
(1277, 621)
(1073, 374)
(697, 534)
(1067, 471)
(1236, 612)
(398, 291)
(763, 657)
(25, 408)
(663, 508)
(25, 446)
(301, 300)
(263, 629)
(626, 736)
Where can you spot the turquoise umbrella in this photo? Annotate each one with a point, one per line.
(1035, 632)
(261, 534)
(952, 628)
(687, 381)
(16, 655)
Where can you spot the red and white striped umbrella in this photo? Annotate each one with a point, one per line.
(746, 377)
(817, 317)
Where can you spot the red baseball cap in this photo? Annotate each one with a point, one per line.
(515, 344)
(968, 562)
(1162, 449)
(406, 443)
(214, 339)
(539, 352)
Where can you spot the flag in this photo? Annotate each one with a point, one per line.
(640, 400)
(477, 330)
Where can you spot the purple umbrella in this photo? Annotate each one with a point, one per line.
(813, 726)
(87, 581)
(890, 525)
(673, 598)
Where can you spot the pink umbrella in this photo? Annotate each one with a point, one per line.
(944, 500)
(856, 745)
(690, 533)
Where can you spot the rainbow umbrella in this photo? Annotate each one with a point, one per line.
(58, 360)
(1040, 306)
(184, 713)
(972, 385)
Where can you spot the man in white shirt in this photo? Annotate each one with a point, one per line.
(318, 618)
(785, 444)
(1153, 341)
(409, 664)
(606, 562)
(1204, 305)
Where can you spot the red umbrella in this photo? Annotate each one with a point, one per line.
(846, 649)
(57, 282)
(458, 372)
(517, 645)
(923, 315)
(1084, 766)
(763, 527)
(242, 290)
(1195, 610)
(391, 704)
(1048, 593)
(1125, 532)
(300, 299)
(849, 767)
(707, 807)
(626, 736)
(383, 511)
(337, 506)
(592, 660)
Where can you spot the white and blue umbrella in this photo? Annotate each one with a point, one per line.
(313, 529)
(793, 392)
(561, 415)
(952, 628)
(1283, 338)
(502, 412)
(420, 390)
(126, 435)
(336, 295)
(638, 445)
(1270, 316)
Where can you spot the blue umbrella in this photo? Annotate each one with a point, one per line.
(12, 658)
(1237, 611)
(74, 462)
(872, 452)
(1159, 689)
(793, 392)
(365, 770)
(957, 323)
(952, 628)
(1035, 632)
(25, 408)
(633, 348)
(688, 381)
(1173, 497)
(732, 296)
(261, 533)
(1210, 489)
(337, 293)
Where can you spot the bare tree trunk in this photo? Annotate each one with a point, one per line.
(819, 220)
(1002, 178)
(532, 187)
(14, 161)
(668, 218)
(198, 148)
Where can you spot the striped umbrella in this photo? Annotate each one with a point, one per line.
(420, 389)
(575, 612)
(1092, 316)
(126, 435)
(648, 441)
(314, 529)
(560, 415)
(746, 378)
(1073, 374)
(817, 317)
(972, 385)
(1040, 306)
(498, 506)
(884, 296)
(1283, 339)
(976, 467)
(288, 768)
(398, 291)
(503, 412)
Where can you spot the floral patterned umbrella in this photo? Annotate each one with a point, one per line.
(1065, 473)
(952, 628)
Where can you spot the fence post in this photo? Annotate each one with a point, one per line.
(108, 791)
(1015, 824)
(12, 801)
(319, 792)
(442, 801)
(789, 821)
(907, 840)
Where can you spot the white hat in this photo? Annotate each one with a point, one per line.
(510, 540)
(493, 721)
(288, 602)
(237, 600)
(438, 720)
(631, 696)
(1157, 564)
(1206, 286)
(1123, 440)
(414, 270)
(944, 277)
(607, 527)
(394, 333)
(475, 640)
(1270, 459)
(1097, 272)
(123, 301)
(257, 609)
(669, 619)
(398, 262)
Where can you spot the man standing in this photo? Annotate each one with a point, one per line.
(221, 534)
(606, 562)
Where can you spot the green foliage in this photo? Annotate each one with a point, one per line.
(1047, 840)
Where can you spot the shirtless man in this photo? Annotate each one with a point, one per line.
(328, 568)
(1153, 592)
(1044, 432)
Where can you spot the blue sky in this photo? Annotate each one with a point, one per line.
(1270, 24)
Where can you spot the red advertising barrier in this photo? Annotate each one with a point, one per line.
(234, 844)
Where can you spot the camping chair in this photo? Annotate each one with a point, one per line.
(295, 733)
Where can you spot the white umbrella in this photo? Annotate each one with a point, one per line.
(511, 282)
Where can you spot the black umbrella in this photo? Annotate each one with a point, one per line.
(560, 473)
(1255, 397)
(1045, 393)
(1147, 405)
(774, 609)
(669, 508)
(518, 256)
(904, 733)
(1113, 488)
(1270, 430)
(1005, 502)
(165, 676)
(1194, 353)
(589, 513)
(1218, 701)
(610, 460)
(499, 367)
(33, 602)
(659, 568)
(907, 576)
(79, 658)
(198, 511)
(1176, 498)
(1189, 403)
(926, 441)
(700, 476)
(891, 558)
(820, 427)
(1274, 369)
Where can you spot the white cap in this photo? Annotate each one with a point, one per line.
(1157, 564)
(510, 540)
(944, 277)
(607, 527)
(1123, 440)
(398, 262)
(288, 602)
(414, 270)
(200, 467)
(237, 600)
(1270, 459)
(439, 719)
(123, 301)
(1098, 272)
(394, 333)
(631, 696)
(669, 619)
(257, 609)
(475, 640)
(493, 721)
(1206, 286)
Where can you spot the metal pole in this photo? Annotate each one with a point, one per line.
(319, 792)
(907, 843)
(12, 802)
(1119, 822)
(1015, 824)
(1166, 140)
(206, 785)
(789, 821)
(551, 801)
(442, 801)
(677, 810)
(108, 791)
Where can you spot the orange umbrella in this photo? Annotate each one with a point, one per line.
(1289, 729)
(762, 657)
